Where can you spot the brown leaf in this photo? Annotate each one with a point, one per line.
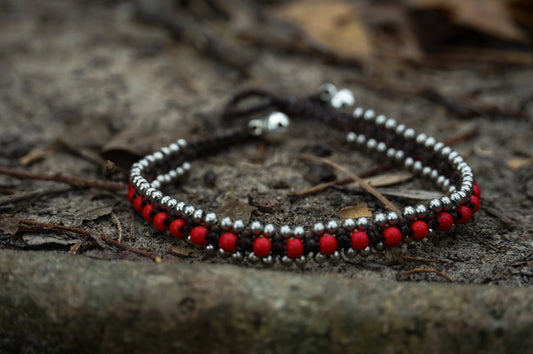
(334, 25)
(237, 210)
(387, 179)
(354, 212)
(8, 225)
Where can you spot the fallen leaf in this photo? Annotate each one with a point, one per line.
(334, 25)
(354, 212)
(416, 194)
(386, 179)
(9, 225)
(518, 162)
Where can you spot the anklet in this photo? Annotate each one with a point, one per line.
(334, 239)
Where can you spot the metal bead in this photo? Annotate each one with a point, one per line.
(318, 228)
(350, 137)
(407, 239)
(210, 249)
(268, 260)
(222, 253)
(343, 98)
(381, 120)
(369, 115)
(301, 261)
(143, 187)
(380, 219)
(446, 184)
(409, 133)
(391, 153)
(182, 143)
(255, 127)
(409, 212)
(179, 207)
(409, 162)
(198, 216)
(253, 258)
(453, 155)
(455, 198)
(149, 192)
(464, 196)
(171, 204)
(457, 160)
(299, 231)
(379, 246)
(461, 166)
(435, 205)
(452, 189)
(165, 200)
(358, 112)
(211, 219)
(365, 252)
(269, 230)
(173, 175)
(144, 163)
(285, 231)
(165, 150)
(417, 167)
(440, 180)
(390, 124)
(392, 218)
(371, 144)
(400, 155)
(286, 260)
(421, 210)
(350, 253)
(361, 139)
(151, 159)
(445, 151)
(174, 147)
(381, 147)
(238, 226)
(156, 184)
(446, 202)
(186, 166)
(349, 224)
(156, 196)
(361, 223)
(277, 122)
(335, 257)
(434, 174)
(421, 138)
(237, 256)
(189, 210)
(438, 146)
(226, 223)
(430, 142)
(400, 129)
(256, 227)
(426, 171)
(332, 226)
(326, 92)
(158, 156)
(320, 258)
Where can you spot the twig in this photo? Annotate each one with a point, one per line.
(355, 178)
(17, 197)
(61, 177)
(35, 225)
(119, 226)
(424, 270)
(419, 259)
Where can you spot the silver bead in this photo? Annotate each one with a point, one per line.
(186, 166)
(326, 92)
(358, 112)
(173, 175)
(426, 171)
(446, 184)
(400, 155)
(318, 228)
(361, 223)
(390, 124)
(350, 137)
(198, 216)
(379, 246)
(438, 146)
(446, 202)
(179, 207)
(434, 174)
(409, 212)
(269, 230)
(407, 239)
(381, 120)
(332, 226)
(165, 200)
(349, 224)
(457, 160)
(445, 151)
(189, 210)
(223, 253)
(417, 167)
(210, 249)
(453, 155)
(365, 252)
(435, 205)
(158, 156)
(381, 147)
(409, 133)
(156, 196)
(256, 227)
(421, 210)
(238, 226)
(391, 153)
(392, 218)
(277, 122)
(350, 253)
(421, 138)
(237, 256)
(409, 162)
(285, 231)
(361, 139)
(165, 151)
(371, 144)
(455, 198)
(174, 147)
(151, 159)
(286, 260)
(180, 171)
(380, 219)
(268, 260)
(156, 184)
(343, 98)
(144, 163)
(430, 142)
(299, 231)
(440, 180)
(320, 258)
(149, 192)
(461, 166)
(226, 223)
(452, 189)
(182, 143)
(400, 129)
(301, 261)
(211, 219)
(252, 257)
(335, 257)
(369, 115)
(171, 204)
(464, 196)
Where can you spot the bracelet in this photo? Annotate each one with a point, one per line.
(334, 239)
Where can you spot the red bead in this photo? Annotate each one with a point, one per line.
(130, 187)
(393, 236)
(420, 230)
(477, 191)
(445, 220)
(138, 204)
(176, 228)
(198, 234)
(228, 242)
(160, 221)
(475, 203)
(147, 212)
(295, 248)
(262, 247)
(131, 195)
(328, 244)
(464, 214)
(360, 240)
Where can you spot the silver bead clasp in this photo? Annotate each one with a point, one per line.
(275, 124)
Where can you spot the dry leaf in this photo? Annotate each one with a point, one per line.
(334, 25)
(34, 156)
(517, 163)
(416, 194)
(237, 210)
(354, 212)
(386, 179)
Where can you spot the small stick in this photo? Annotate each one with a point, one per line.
(356, 178)
(18, 197)
(424, 270)
(108, 240)
(419, 259)
(119, 226)
(61, 177)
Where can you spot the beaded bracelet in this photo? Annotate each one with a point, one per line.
(334, 240)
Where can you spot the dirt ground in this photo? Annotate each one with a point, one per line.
(86, 82)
